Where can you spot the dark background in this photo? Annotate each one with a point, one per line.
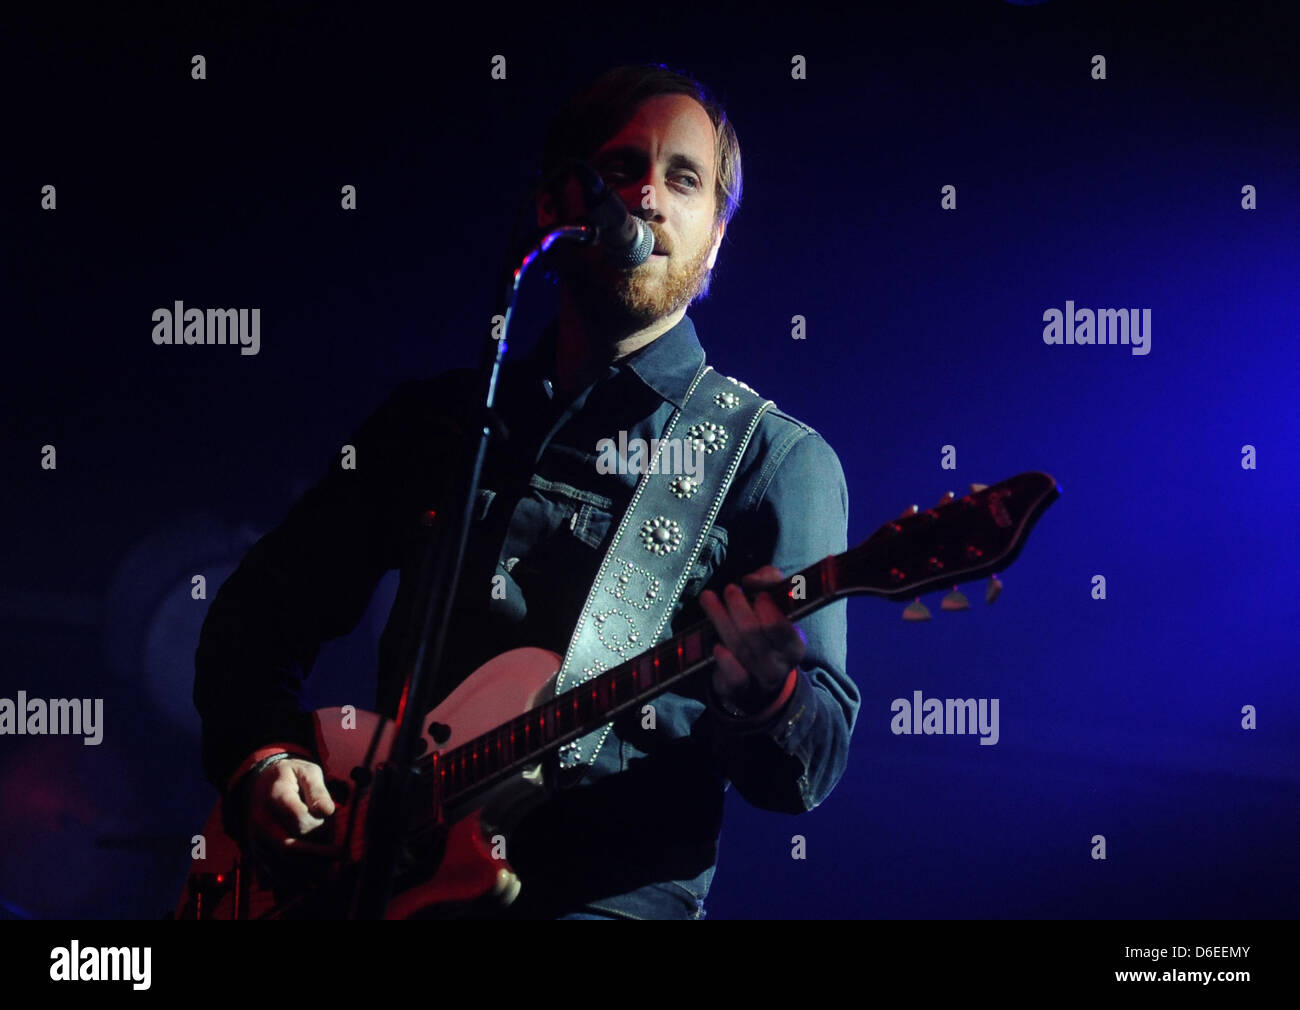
(1119, 717)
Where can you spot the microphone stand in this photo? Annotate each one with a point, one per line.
(396, 779)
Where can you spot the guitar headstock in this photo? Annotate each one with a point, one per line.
(958, 540)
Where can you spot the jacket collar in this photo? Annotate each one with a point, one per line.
(666, 365)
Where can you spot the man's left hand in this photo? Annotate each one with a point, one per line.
(759, 647)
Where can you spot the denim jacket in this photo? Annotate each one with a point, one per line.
(638, 836)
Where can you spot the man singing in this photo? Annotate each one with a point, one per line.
(637, 835)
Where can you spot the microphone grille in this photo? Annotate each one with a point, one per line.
(639, 251)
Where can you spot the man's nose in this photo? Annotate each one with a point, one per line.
(635, 197)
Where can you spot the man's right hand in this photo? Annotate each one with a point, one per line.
(287, 801)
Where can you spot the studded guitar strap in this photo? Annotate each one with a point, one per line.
(662, 532)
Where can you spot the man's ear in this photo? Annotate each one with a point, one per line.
(555, 207)
(717, 244)
(545, 210)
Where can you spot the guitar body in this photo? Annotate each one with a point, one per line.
(461, 876)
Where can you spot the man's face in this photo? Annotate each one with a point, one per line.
(668, 146)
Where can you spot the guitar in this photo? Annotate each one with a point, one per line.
(482, 768)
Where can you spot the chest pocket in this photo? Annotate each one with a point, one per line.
(592, 520)
(591, 524)
(711, 557)
(591, 516)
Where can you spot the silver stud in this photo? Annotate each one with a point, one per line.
(619, 588)
(684, 487)
(661, 535)
(707, 436)
(727, 400)
(606, 636)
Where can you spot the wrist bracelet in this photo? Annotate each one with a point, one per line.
(265, 763)
(255, 759)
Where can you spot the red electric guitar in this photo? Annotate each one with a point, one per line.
(482, 777)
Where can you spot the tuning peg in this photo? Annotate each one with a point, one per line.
(956, 600)
(995, 587)
(911, 510)
(977, 488)
(947, 499)
(916, 611)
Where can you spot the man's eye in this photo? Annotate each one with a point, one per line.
(695, 183)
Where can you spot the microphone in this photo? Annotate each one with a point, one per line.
(627, 240)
